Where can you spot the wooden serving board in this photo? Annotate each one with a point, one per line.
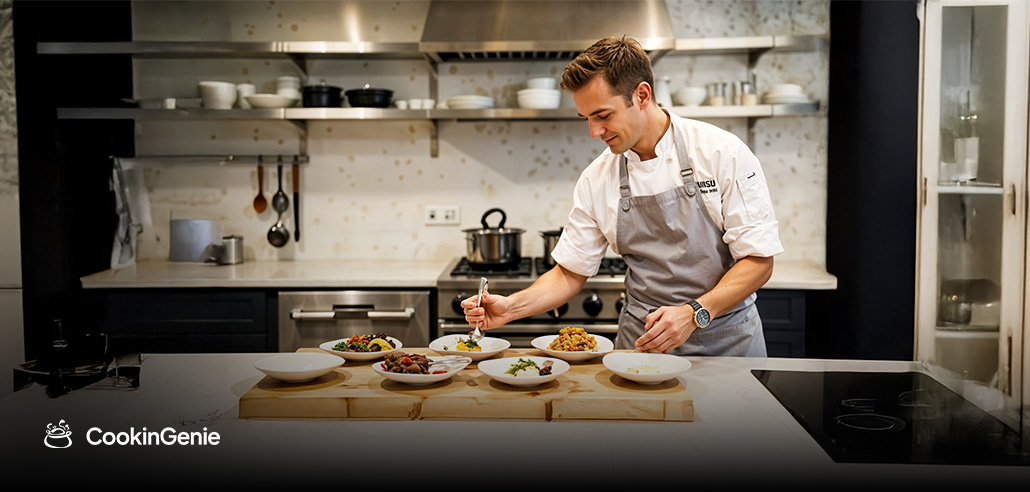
(588, 391)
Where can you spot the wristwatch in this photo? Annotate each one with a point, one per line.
(701, 315)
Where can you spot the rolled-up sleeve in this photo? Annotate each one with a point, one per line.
(582, 244)
(748, 216)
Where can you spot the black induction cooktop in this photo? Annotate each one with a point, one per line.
(904, 417)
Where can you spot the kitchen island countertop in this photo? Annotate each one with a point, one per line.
(323, 274)
(740, 435)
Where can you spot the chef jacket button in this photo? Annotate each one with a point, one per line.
(668, 159)
(629, 167)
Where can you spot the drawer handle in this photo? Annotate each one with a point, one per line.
(297, 314)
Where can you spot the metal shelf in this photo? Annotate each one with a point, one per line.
(188, 49)
(753, 46)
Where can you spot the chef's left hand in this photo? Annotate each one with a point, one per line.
(666, 328)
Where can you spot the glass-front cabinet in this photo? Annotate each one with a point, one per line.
(971, 283)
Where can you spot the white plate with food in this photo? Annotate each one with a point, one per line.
(646, 368)
(298, 367)
(418, 369)
(271, 100)
(524, 371)
(362, 347)
(463, 345)
(574, 344)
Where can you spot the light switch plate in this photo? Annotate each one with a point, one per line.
(443, 215)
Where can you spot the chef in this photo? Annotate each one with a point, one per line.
(684, 202)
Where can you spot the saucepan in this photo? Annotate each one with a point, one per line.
(550, 241)
(493, 246)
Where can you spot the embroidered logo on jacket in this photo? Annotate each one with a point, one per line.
(708, 186)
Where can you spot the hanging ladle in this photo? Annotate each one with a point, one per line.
(278, 235)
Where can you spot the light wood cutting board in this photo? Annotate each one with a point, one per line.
(588, 391)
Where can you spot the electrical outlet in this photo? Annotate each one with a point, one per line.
(443, 215)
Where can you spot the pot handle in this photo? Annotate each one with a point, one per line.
(500, 225)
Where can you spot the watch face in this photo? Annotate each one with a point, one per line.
(702, 317)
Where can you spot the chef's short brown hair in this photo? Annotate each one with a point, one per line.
(619, 59)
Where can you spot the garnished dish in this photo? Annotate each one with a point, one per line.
(418, 369)
(524, 371)
(466, 345)
(572, 339)
(409, 364)
(528, 368)
(646, 368)
(365, 343)
(462, 345)
(362, 347)
(574, 344)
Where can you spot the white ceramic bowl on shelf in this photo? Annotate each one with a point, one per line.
(690, 96)
(270, 101)
(548, 83)
(539, 98)
(216, 94)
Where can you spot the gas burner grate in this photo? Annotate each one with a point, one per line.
(523, 268)
(609, 266)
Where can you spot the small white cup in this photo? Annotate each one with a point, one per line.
(287, 82)
(542, 83)
(415, 103)
(243, 90)
(401, 104)
(428, 103)
(217, 95)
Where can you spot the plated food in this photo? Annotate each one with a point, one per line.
(362, 347)
(574, 344)
(524, 371)
(419, 369)
(458, 345)
(646, 368)
(298, 367)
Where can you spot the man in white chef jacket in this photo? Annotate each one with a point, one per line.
(684, 202)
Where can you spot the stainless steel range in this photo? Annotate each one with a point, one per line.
(596, 308)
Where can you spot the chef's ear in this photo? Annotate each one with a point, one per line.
(643, 95)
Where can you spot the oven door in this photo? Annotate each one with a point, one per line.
(521, 334)
(307, 319)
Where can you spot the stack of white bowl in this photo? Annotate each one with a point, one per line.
(785, 94)
(540, 93)
(470, 102)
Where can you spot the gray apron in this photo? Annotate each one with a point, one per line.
(675, 253)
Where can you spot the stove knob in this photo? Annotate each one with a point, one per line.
(559, 311)
(456, 304)
(619, 303)
(592, 305)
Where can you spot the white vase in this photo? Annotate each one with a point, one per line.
(661, 93)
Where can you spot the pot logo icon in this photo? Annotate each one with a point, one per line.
(58, 436)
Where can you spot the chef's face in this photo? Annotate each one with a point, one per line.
(617, 123)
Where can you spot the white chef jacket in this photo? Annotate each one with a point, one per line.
(730, 182)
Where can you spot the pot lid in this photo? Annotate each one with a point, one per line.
(495, 230)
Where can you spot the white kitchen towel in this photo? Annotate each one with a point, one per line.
(133, 208)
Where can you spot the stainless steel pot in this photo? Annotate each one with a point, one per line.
(493, 245)
(550, 241)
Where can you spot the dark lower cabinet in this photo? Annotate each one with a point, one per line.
(783, 321)
(188, 320)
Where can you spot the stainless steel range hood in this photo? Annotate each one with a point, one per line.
(538, 29)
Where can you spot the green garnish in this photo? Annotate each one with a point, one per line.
(470, 343)
(520, 365)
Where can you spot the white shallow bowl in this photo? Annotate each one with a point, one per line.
(539, 98)
(270, 100)
(690, 96)
(490, 346)
(785, 99)
(328, 347)
(298, 367)
(495, 368)
(669, 366)
(604, 345)
(451, 367)
(542, 83)
(785, 89)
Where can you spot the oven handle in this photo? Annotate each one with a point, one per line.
(297, 314)
(446, 327)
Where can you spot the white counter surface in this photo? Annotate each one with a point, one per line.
(740, 436)
(324, 274)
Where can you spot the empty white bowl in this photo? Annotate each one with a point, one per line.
(270, 100)
(690, 96)
(549, 83)
(645, 368)
(217, 95)
(785, 90)
(539, 98)
(298, 367)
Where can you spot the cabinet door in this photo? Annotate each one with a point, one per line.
(972, 224)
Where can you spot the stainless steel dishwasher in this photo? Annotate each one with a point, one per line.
(306, 319)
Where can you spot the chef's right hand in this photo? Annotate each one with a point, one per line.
(491, 313)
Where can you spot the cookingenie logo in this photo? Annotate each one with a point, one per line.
(165, 437)
(58, 436)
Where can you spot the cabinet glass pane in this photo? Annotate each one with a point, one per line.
(971, 202)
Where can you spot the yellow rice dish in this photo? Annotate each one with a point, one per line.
(468, 345)
(572, 339)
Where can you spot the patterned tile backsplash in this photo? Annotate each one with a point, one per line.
(365, 191)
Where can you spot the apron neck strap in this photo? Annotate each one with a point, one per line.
(686, 169)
